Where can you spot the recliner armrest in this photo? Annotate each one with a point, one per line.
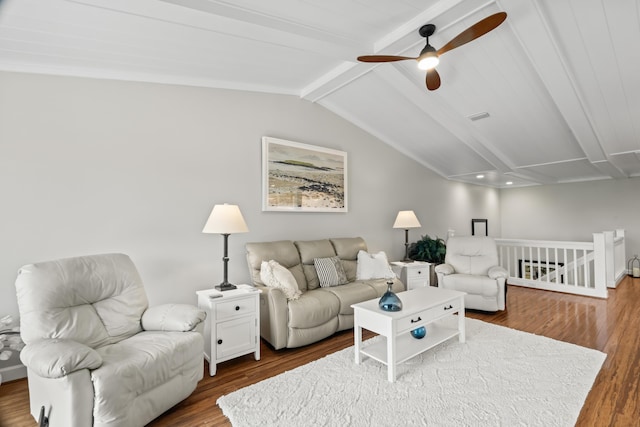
(444, 269)
(497, 272)
(56, 358)
(172, 318)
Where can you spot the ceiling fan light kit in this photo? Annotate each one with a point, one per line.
(429, 57)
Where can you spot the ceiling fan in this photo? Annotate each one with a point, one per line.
(428, 58)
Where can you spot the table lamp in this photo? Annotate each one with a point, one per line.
(406, 220)
(225, 219)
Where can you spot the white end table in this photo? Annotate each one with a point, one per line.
(413, 274)
(232, 326)
(424, 306)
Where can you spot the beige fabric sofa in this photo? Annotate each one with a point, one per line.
(319, 312)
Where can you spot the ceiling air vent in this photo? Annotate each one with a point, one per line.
(478, 116)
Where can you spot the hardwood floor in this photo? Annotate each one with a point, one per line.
(611, 326)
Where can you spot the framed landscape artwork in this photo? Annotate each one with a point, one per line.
(299, 177)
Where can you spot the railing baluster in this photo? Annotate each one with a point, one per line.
(558, 267)
(546, 256)
(587, 282)
(566, 263)
(575, 266)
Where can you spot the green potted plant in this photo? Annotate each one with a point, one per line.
(429, 250)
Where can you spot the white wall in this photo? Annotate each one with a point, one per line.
(92, 166)
(573, 211)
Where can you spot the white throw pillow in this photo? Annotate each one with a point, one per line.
(330, 271)
(276, 276)
(373, 266)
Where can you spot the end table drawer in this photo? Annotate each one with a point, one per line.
(237, 307)
(428, 315)
(417, 273)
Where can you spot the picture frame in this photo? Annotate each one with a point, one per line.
(298, 177)
(528, 269)
(479, 226)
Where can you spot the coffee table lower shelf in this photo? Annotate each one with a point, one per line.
(407, 346)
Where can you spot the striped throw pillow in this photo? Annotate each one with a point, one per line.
(330, 271)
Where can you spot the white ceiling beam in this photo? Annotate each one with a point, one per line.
(235, 23)
(265, 20)
(533, 32)
(608, 168)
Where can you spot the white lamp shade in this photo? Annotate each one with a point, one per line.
(225, 219)
(406, 219)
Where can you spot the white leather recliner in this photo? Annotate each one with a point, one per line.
(96, 355)
(471, 266)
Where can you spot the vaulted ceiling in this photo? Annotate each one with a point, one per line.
(558, 79)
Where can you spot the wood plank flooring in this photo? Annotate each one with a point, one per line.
(611, 326)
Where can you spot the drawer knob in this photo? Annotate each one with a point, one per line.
(237, 307)
(419, 271)
(417, 320)
(219, 341)
(449, 307)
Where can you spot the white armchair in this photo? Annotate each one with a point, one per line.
(96, 355)
(471, 266)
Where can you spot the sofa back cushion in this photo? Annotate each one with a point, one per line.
(309, 250)
(95, 300)
(282, 251)
(347, 249)
(471, 254)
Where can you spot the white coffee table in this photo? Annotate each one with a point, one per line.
(421, 307)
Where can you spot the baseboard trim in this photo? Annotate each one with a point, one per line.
(11, 373)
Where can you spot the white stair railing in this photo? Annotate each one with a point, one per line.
(584, 268)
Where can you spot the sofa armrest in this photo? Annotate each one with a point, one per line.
(497, 272)
(172, 317)
(274, 316)
(444, 269)
(56, 358)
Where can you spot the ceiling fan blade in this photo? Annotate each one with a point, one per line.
(382, 58)
(478, 29)
(433, 79)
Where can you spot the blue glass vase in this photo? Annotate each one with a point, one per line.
(419, 333)
(390, 301)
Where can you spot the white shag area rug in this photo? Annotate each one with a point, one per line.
(499, 377)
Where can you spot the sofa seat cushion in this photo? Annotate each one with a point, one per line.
(313, 308)
(352, 293)
(471, 284)
(136, 370)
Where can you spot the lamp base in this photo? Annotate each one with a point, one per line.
(225, 287)
(408, 260)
